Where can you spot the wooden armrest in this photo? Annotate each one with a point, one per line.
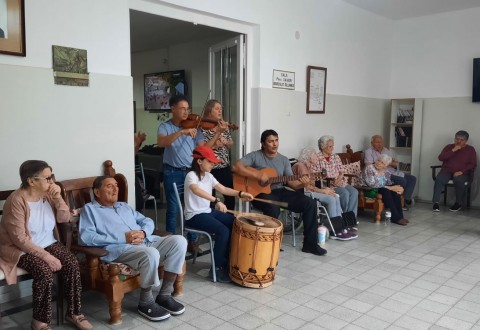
(90, 250)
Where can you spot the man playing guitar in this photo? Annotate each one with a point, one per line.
(268, 157)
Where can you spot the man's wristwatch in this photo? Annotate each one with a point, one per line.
(217, 200)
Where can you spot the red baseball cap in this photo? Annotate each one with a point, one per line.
(201, 152)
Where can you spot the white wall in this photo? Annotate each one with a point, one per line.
(73, 128)
(432, 58)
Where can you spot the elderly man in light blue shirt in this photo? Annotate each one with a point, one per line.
(128, 237)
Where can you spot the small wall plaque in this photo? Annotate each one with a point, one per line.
(70, 66)
(283, 79)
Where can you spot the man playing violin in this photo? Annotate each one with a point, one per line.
(269, 157)
(220, 140)
(179, 143)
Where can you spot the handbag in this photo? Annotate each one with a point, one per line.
(349, 219)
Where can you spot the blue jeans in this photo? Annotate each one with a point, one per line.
(408, 183)
(171, 175)
(221, 225)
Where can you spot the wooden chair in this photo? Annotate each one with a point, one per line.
(105, 278)
(468, 185)
(23, 275)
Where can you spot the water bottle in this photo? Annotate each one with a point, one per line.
(388, 215)
(322, 233)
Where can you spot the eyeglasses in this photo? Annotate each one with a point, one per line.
(187, 110)
(48, 178)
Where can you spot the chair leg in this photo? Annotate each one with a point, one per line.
(445, 188)
(115, 309)
(214, 275)
(178, 284)
(469, 191)
(156, 215)
(59, 301)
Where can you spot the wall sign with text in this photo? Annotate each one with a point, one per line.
(283, 79)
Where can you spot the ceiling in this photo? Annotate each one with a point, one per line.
(149, 31)
(402, 9)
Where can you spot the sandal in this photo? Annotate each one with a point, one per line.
(37, 325)
(80, 321)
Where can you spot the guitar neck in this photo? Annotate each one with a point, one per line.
(286, 178)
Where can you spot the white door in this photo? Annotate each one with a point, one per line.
(227, 78)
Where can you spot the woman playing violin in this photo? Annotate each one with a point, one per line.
(220, 140)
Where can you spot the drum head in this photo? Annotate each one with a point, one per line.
(253, 218)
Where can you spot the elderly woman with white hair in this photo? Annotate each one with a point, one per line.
(376, 176)
(327, 196)
(333, 165)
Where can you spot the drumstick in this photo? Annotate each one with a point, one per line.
(281, 204)
(252, 222)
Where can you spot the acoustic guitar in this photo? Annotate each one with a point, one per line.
(252, 186)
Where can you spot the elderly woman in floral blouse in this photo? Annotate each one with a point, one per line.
(376, 176)
(333, 165)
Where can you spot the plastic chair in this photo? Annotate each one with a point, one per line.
(296, 217)
(179, 190)
(147, 197)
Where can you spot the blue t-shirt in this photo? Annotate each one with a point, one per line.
(179, 153)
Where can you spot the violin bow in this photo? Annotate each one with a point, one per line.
(203, 111)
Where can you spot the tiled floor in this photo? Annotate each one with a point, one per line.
(422, 276)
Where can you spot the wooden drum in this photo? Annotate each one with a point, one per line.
(255, 249)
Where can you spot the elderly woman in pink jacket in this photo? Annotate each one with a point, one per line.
(27, 241)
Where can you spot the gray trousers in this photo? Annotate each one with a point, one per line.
(147, 257)
(459, 183)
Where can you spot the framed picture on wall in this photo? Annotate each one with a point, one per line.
(316, 89)
(12, 27)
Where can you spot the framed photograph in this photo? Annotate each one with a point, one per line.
(12, 27)
(316, 89)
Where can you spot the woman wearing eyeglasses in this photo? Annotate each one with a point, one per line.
(27, 241)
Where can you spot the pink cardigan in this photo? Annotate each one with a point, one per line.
(14, 234)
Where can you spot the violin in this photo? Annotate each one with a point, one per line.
(194, 121)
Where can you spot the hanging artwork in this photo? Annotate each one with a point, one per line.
(70, 66)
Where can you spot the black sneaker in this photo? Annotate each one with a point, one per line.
(314, 249)
(221, 274)
(153, 312)
(170, 304)
(436, 208)
(455, 207)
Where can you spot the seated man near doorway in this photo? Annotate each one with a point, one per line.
(459, 162)
(269, 157)
(127, 236)
(407, 181)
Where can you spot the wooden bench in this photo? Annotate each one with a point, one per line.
(105, 278)
(23, 275)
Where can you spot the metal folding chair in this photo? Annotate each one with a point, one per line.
(179, 190)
